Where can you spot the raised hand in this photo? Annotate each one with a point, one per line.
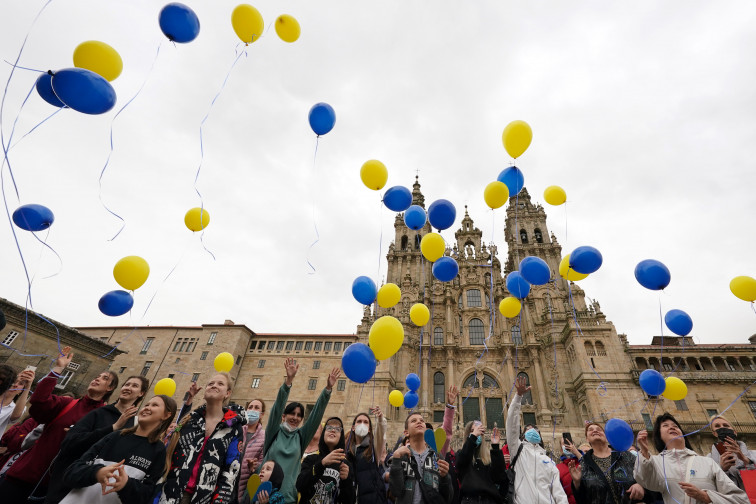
(521, 386)
(451, 395)
(643, 443)
(332, 377)
(376, 410)
(478, 429)
(25, 378)
(63, 360)
(128, 413)
(575, 471)
(291, 367)
(193, 389)
(495, 438)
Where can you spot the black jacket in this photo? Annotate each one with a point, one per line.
(479, 480)
(319, 484)
(368, 477)
(594, 485)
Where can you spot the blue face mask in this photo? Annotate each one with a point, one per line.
(532, 436)
(478, 440)
(567, 452)
(252, 416)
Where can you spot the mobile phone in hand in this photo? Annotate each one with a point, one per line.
(721, 448)
(567, 437)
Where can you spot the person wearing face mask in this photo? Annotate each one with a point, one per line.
(564, 471)
(362, 455)
(327, 477)
(254, 438)
(285, 436)
(536, 475)
(481, 467)
(731, 455)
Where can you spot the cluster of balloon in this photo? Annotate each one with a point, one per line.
(678, 322)
(398, 199)
(554, 195)
(364, 290)
(517, 285)
(130, 272)
(197, 219)
(33, 217)
(510, 307)
(619, 434)
(224, 362)
(496, 194)
(419, 314)
(415, 217)
(322, 118)
(411, 398)
(179, 23)
(165, 386)
(744, 287)
(358, 362)
(513, 178)
(385, 337)
(570, 274)
(388, 295)
(652, 274)
(374, 174)
(535, 270)
(516, 138)
(585, 260)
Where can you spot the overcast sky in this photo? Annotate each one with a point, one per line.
(643, 112)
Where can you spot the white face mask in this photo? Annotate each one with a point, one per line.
(288, 427)
(361, 429)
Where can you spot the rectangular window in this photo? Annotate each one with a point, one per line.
(516, 335)
(346, 345)
(261, 346)
(647, 421)
(528, 419)
(10, 338)
(298, 346)
(171, 375)
(711, 412)
(280, 346)
(146, 368)
(308, 346)
(473, 297)
(318, 346)
(238, 359)
(271, 345)
(667, 366)
(327, 346)
(316, 364)
(255, 382)
(147, 344)
(471, 409)
(477, 332)
(123, 368)
(681, 405)
(212, 337)
(438, 416)
(289, 346)
(203, 356)
(64, 379)
(494, 414)
(195, 377)
(337, 346)
(261, 363)
(178, 344)
(252, 345)
(312, 384)
(752, 405)
(183, 346)
(192, 345)
(73, 366)
(341, 385)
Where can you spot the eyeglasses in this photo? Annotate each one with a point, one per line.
(333, 428)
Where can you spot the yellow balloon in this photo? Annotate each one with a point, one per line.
(744, 287)
(554, 195)
(197, 219)
(570, 274)
(676, 389)
(131, 272)
(166, 386)
(432, 246)
(388, 295)
(510, 307)
(496, 194)
(396, 398)
(247, 22)
(287, 28)
(374, 174)
(419, 314)
(516, 138)
(385, 337)
(223, 362)
(98, 57)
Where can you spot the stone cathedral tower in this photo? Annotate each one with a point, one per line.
(578, 370)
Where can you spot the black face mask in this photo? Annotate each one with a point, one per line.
(724, 433)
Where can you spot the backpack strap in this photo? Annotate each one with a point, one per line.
(517, 455)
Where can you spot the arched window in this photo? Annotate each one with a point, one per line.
(528, 397)
(489, 381)
(471, 381)
(438, 387)
(459, 302)
(600, 350)
(473, 297)
(538, 236)
(589, 349)
(477, 334)
(438, 336)
(516, 335)
(417, 242)
(523, 236)
(404, 242)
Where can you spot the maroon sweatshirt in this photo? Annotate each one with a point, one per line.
(45, 407)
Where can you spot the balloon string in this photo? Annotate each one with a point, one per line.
(45, 244)
(380, 240)
(314, 222)
(753, 308)
(24, 68)
(13, 230)
(602, 384)
(6, 146)
(661, 328)
(37, 126)
(110, 153)
(566, 240)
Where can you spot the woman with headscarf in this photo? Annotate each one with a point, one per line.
(326, 477)
(679, 473)
(362, 448)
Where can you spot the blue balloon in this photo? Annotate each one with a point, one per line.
(652, 274)
(322, 118)
(441, 214)
(652, 382)
(678, 322)
(179, 23)
(398, 199)
(33, 217)
(412, 381)
(116, 303)
(410, 399)
(358, 362)
(83, 90)
(445, 269)
(619, 434)
(414, 217)
(45, 90)
(513, 179)
(535, 270)
(517, 285)
(364, 290)
(586, 260)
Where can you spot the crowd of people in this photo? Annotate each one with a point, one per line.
(137, 449)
